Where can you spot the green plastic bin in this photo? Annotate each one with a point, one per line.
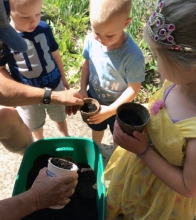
(82, 150)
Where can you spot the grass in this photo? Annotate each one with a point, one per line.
(70, 23)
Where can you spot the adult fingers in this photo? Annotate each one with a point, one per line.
(69, 178)
(78, 102)
(68, 110)
(60, 192)
(75, 109)
(64, 201)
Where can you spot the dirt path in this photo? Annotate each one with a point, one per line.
(9, 162)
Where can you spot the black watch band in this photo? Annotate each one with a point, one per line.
(47, 95)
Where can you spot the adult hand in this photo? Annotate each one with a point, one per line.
(50, 191)
(67, 97)
(71, 109)
(136, 143)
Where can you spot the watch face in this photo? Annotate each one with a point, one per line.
(46, 101)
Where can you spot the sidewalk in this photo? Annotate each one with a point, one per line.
(9, 162)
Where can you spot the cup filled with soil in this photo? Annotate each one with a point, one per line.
(60, 167)
(91, 106)
(132, 117)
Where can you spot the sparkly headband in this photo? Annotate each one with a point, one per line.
(162, 32)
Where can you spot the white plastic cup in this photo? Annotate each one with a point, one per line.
(57, 171)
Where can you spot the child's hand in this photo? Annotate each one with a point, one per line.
(136, 143)
(83, 93)
(65, 83)
(100, 116)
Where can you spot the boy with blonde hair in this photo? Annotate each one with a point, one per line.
(40, 66)
(114, 66)
(103, 10)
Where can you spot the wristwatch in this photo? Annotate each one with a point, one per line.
(47, 95)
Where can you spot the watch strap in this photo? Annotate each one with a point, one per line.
(47, 95)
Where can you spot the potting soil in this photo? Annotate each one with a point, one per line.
(83, 202)
(61, 163)
(89, 107)
(130, 118)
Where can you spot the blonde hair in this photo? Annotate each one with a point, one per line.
(103, 10)
(183, 15)
(14, 3)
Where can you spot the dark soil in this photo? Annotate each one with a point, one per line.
(83, 202)
(88, 107)
(64, 164)
(130, 118)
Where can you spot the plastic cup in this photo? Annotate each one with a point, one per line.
(57, 171)
(86, 115)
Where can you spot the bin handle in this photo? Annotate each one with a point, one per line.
(64, 149)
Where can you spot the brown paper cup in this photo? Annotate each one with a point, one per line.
(86, 114)
(132, 117)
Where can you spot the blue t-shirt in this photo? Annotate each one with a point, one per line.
(110, 72)
(36, 67)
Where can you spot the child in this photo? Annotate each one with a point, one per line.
(41, 66)
(154, 178)
(114, 65)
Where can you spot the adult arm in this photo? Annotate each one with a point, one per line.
(45, 192)
(13, 93)
(4, 72)
(57, 57)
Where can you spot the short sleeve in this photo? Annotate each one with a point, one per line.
(135, 71)
(52, 42)
(86, 48)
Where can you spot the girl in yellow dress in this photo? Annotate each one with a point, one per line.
(152, 175)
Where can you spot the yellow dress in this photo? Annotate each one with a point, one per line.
(134, 190)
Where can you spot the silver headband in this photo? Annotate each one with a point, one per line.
(162, 32)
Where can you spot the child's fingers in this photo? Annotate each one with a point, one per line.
(140, 137)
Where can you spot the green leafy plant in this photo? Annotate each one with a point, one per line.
(140, 14)
(69, 22)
